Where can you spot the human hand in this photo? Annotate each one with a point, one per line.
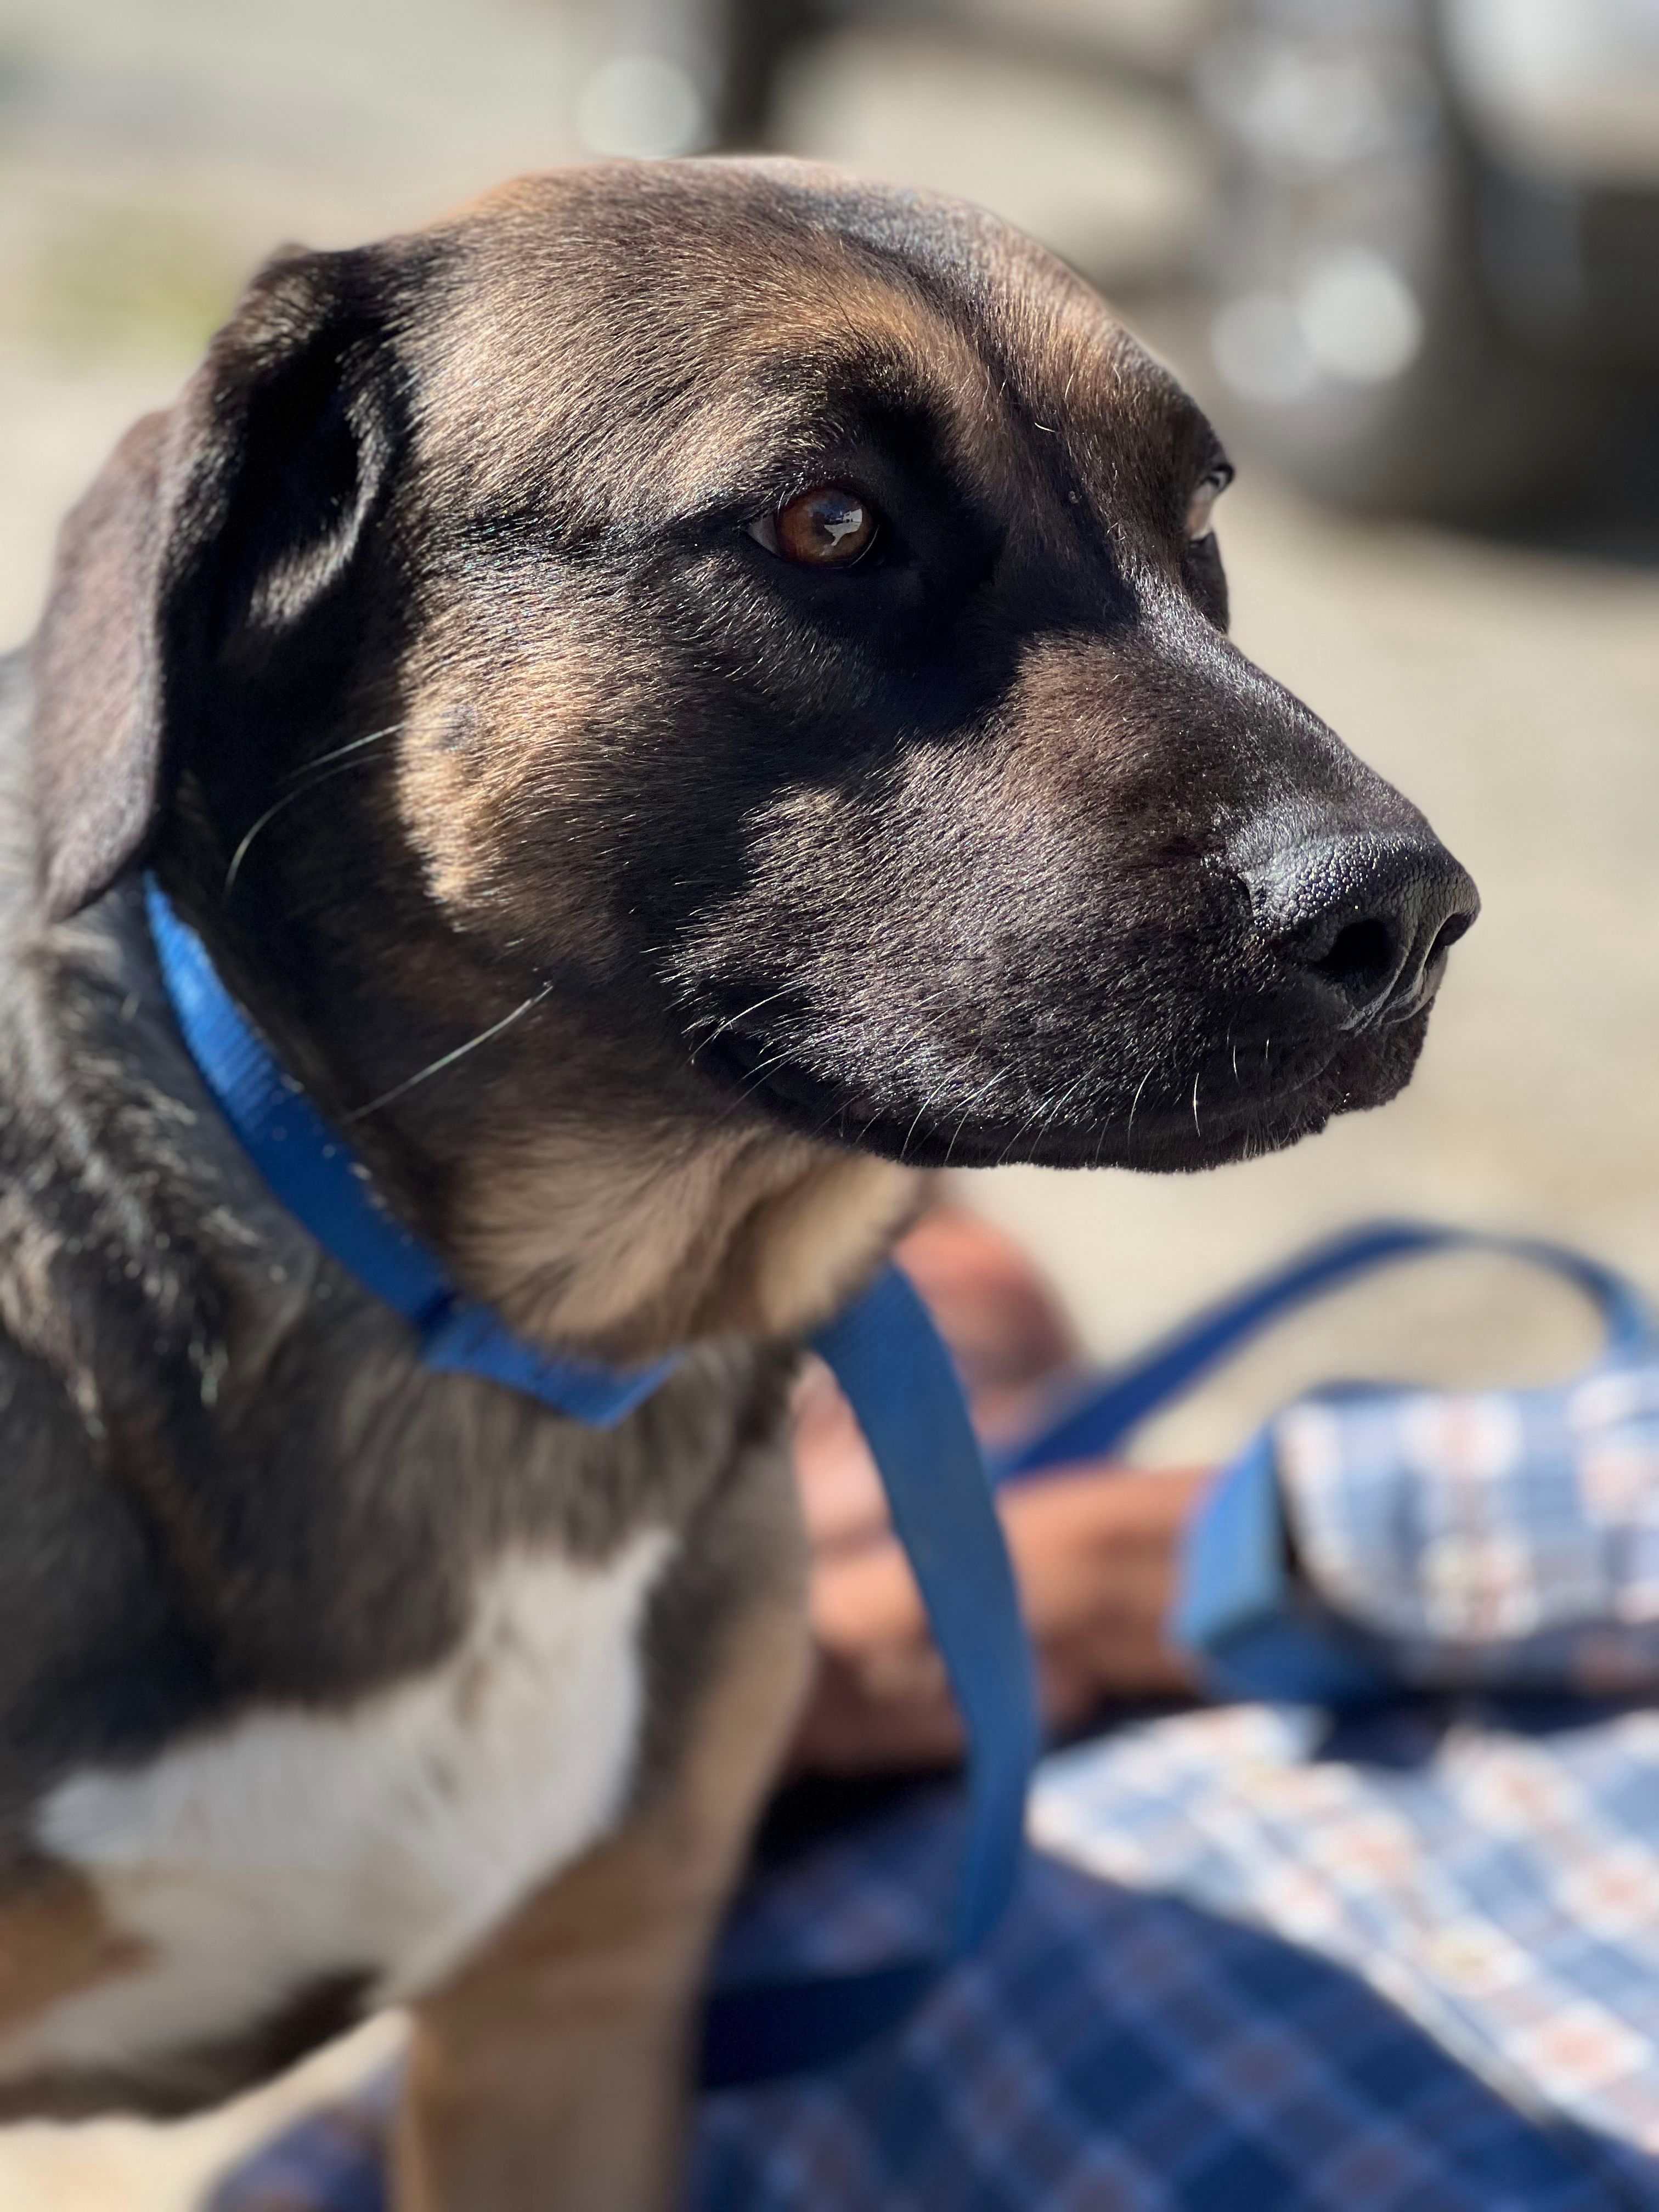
(1095, 1555)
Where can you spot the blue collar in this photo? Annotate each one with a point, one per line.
(316, 1177)
(886, 1356)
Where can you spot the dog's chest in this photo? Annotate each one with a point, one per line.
(295, 1846)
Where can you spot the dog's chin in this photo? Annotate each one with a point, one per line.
(1164, 1137)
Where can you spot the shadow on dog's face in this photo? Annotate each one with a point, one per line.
(794, 613)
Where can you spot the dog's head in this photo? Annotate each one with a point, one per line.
(754, 645)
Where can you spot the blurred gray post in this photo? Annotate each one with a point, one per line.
(682, 76)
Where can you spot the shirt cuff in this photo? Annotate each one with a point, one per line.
(1253, 1629)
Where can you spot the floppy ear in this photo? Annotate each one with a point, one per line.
(215, 531)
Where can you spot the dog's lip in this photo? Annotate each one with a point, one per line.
(749, 1063)
(809, 1107)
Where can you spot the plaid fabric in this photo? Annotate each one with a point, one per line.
(1212, 2009)
(1491, 1868)
(1405, 1961)
(1510, 1537)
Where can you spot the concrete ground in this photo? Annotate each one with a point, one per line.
(151, 150)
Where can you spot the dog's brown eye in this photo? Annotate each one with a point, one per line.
(1201, 508)
(826, 527)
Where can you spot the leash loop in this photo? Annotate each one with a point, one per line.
(1097, 1416)
(897, 1376)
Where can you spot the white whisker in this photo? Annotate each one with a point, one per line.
(962, 1118)
(315, 772)
(448, 1059)
(340, 751)
(731, 1020)
(927, 1101)
(1129, 1131)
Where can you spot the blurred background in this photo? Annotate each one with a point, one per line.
(1407, 253)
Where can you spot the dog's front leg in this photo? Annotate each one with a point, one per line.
(550, 2075)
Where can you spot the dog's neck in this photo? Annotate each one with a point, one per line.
(590, 1223)
(629, 1246)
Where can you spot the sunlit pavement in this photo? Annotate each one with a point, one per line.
(150, 154)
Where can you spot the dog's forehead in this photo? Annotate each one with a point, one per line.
(669, 328)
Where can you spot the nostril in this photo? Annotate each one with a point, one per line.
(1361, 957)
(1449, 932)
(1367, 918)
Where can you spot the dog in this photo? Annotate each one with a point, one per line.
(680, 698)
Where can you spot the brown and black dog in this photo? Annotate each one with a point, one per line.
(677, 697)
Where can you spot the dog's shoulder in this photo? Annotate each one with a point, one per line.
(275, 1596)
(73, 1574)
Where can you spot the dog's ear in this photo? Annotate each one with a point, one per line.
(215, 531)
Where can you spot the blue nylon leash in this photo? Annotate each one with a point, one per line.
(886, 1355)
(1092, 1419)
(1241, 1613)
(888, 1360)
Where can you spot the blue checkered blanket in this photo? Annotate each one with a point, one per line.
(1267, 1959)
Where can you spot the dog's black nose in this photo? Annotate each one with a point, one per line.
(1365, 919)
